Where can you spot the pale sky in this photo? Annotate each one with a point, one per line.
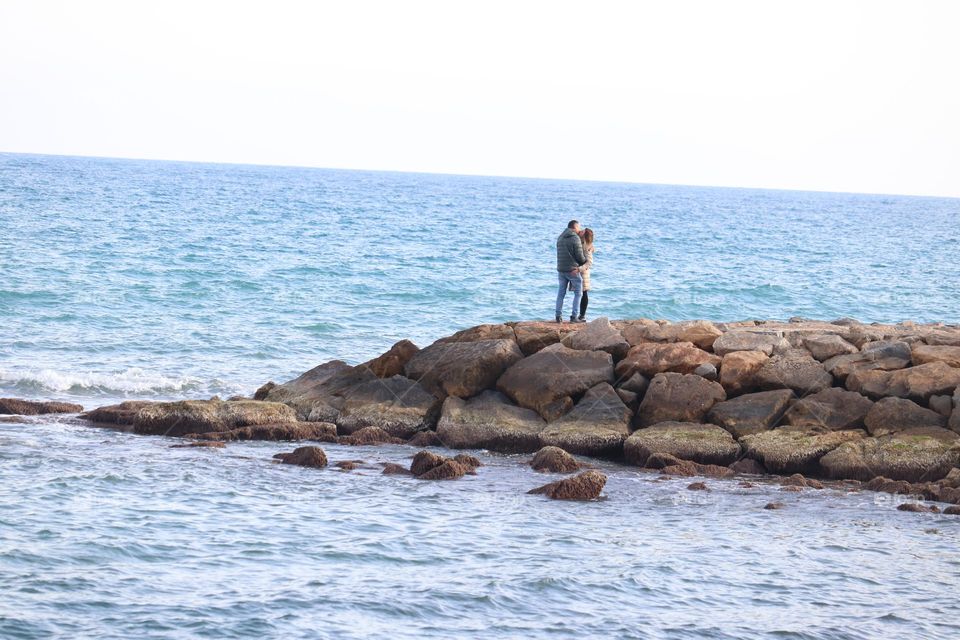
(836, 95)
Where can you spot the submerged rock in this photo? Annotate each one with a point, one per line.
(205, 416)
(423, 461)
(597, 425)
(916, 507)
(309, 456)
(702, 443)
(208, 444)
(697, 486)
(489, 421)
(585, 486)
(394, 469)
(675, 397)
(15, 406)
(554, 460)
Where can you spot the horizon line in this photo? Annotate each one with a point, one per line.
(474, 175)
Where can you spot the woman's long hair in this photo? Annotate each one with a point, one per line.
(587, 238)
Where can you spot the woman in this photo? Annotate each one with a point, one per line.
(587, 239)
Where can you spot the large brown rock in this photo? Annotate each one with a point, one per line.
(598, 335)
(652, 358)
(597, 425)
(790, 450)
(916, 383)
(483, 332)
(949, 337)
(749, 341)
(15, 406)
(738, 371)
(533, 336)
(462, 369)
(554, 373)
(916, 455)
(924, 353)
(489, 421)
(751, 413)
(121, 415)
(392, 362)
(890, 415)
(676, 397)
(702, 443)
(701, 333)
(205, 416)
(398, 405)
(306, 383)
(803, 374)
(554, 460)
(638, 331)
(585, 486)
(833, 409)
(888, 355)
(824, 347)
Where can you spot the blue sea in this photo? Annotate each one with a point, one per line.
(145, 279)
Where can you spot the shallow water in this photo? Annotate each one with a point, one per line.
(121, 536)
(146, 279)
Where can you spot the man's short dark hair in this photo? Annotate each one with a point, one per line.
(572, 224)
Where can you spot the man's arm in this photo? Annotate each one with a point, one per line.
(578, 252)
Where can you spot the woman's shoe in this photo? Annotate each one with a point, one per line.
(582, 318)
(575, 319)
(559, 319)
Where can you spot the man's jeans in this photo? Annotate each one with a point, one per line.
(576, 280)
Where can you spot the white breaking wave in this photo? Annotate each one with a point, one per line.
(130, 382)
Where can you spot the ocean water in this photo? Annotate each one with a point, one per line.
(123, 279)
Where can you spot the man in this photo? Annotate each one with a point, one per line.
(569, 258)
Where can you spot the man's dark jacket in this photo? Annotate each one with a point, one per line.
(569, 251)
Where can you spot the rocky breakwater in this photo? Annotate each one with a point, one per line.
(838, 400)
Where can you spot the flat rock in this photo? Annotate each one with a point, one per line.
(676, 397)
(204, 416)
(291, 431)
(924, 353)
(751, 413)
(701, 333)
(553, 373)
(637, 331)
(554, 460)
(915, 383)
(489, 421)
(597, 425)
(915, 455)
(749, 341)
(598, 335)
(372, 436)
(943, 337)
(462, 369)
(890, 415)
(652, 358)
(15, 406)
(398, 405)
(701, 443)
(585, 486)
(738, 371)
(803, 374)
(833, 409)
(824, 347)
(121, 415)
(790, 450)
